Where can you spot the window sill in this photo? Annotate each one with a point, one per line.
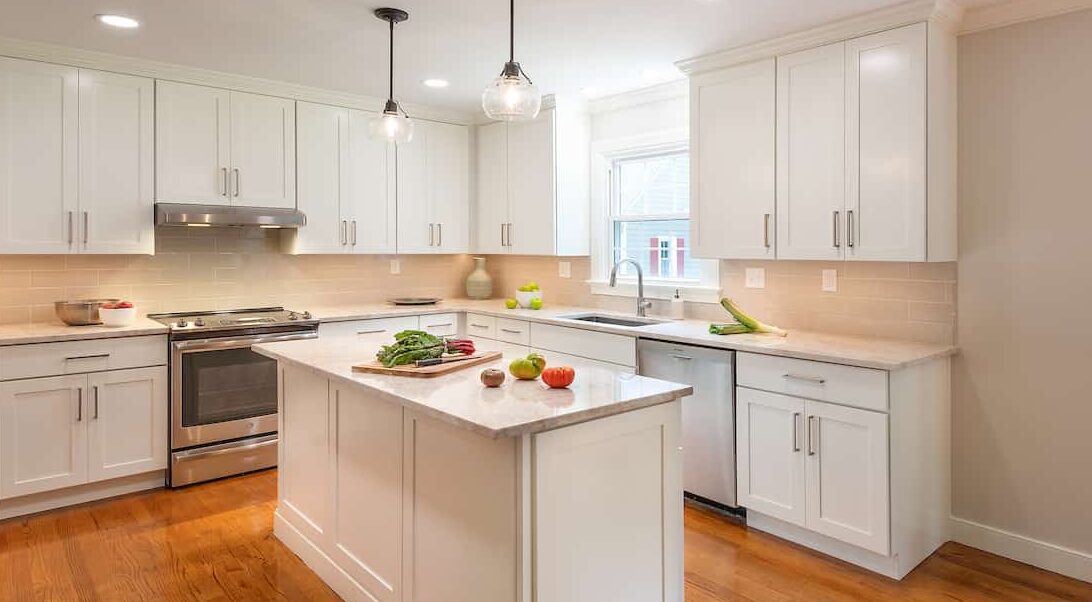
(657, 290)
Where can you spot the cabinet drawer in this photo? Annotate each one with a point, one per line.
(613, 348)
(513, 331)
(478, 325)
(441, 325)
(379, 328)
(847, 385)
(75, 357)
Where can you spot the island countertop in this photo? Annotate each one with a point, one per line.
(516, 408)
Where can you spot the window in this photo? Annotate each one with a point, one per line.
(649, 219)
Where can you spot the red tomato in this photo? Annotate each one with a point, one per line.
(558, 377)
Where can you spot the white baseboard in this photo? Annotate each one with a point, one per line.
(1052, 557)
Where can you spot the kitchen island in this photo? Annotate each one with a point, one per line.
(396, 488)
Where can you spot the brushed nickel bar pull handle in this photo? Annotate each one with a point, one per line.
(79, 404)
(849, 228)
(70, 227)
(85, 227)
(812, 435)
(431, 239)
(509, 234)
(96, 356)
(510, 331)
(223, 181)
(445, 324)
(380, 331)
(237, 185)
(766, 230)
(837, 238)
(796, 431)
(816, 380)
(479, 326)
(95, 389)
(503, 244)
(682, 357)
(354, 234)
(439, 235)
(344, 225)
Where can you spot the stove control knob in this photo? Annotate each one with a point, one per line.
(293, 315)
(306, 315)
(199, 322)
(182, 323)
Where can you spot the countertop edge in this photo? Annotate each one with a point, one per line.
(100, 332)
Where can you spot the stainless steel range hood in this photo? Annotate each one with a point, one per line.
(184, 214)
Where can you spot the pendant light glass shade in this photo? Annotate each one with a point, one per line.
(393, 124)
(512, 96)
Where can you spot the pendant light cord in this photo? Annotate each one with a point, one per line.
(511, 31)
(390, 91)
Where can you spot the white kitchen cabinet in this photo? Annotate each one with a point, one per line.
(770, 454)
(39, 120)
(533, 184)
(126, 422)
(116, 164)
(811, 150)
(434, 189)
(345, 184)
(43, 434)
(223, 147)
(732, 175)
(847, 475)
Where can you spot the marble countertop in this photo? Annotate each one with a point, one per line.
(514, 409)
(52, 332)
(865, 352)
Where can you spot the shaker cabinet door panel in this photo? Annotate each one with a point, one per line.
(492, 203)
(322, 133)
(263, 151)
(770, 444)
(43, 434)
(449, 194)
(368, 199)
(193, 150)
(127, 422)
(416, 226)
(532, 205)
(38, 157)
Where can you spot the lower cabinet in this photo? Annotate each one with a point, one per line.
(70, 430)
(816, 465)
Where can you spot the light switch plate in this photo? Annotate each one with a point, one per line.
(565, 269)
(396, 266)
(830, 281)
(755, 278)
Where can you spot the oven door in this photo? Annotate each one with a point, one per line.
(221, 390)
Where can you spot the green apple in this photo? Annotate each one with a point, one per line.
(524, 289)
(511, 303)
(532, 286)
(536, 303)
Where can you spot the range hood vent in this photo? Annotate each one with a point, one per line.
(184, 214)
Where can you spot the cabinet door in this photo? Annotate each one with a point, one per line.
(885, 168)
(38, 157)
(531, 186)
(368, 443)
(43, 434)
(491, 216)
(126, 422)
(117, 190)
(811, 153)
(192, 144)
(263, 151)
(369, 201)
(770, 443)
(449, 185)
(416, 226)
(732, 124)
(847, 472)
(322, 138)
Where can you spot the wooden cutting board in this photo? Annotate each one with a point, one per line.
(374, 367)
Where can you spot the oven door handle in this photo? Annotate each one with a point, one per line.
(239, 342)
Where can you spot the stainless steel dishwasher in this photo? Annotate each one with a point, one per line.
(708, 416)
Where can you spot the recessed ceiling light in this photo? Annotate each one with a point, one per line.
(436, 83)
(118, 21)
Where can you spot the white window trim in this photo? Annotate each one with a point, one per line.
(604, 153)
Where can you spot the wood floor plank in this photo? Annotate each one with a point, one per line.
(214, 542)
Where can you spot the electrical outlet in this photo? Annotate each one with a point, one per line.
(830, 281)
(396, 266)
(755, 278)
(565, 269)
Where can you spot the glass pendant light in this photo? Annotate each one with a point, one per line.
(512, 96)
(393, 124)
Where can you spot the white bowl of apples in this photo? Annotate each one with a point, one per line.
(117, 314)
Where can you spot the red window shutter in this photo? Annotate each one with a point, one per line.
(654, 256)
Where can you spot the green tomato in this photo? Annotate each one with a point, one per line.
(536, 303)
(511, 303)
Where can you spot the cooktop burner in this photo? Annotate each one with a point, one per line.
(233, 319)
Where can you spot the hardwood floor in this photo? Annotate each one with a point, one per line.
(215, 542)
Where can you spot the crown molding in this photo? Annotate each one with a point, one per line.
(945, 13)
(678, 88)
(100, 61)
(1017, 11)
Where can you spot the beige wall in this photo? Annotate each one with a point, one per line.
(1022, 415)
(210, 268)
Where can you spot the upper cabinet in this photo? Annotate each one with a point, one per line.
(223, 147)
(864, 164)
(75, 160)
(433, 174)
(533, 185)
(345, 183)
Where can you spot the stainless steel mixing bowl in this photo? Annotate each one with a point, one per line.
(81, 312)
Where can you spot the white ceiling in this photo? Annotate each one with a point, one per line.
(564, 45)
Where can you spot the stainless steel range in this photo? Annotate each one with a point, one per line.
(223, 395)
